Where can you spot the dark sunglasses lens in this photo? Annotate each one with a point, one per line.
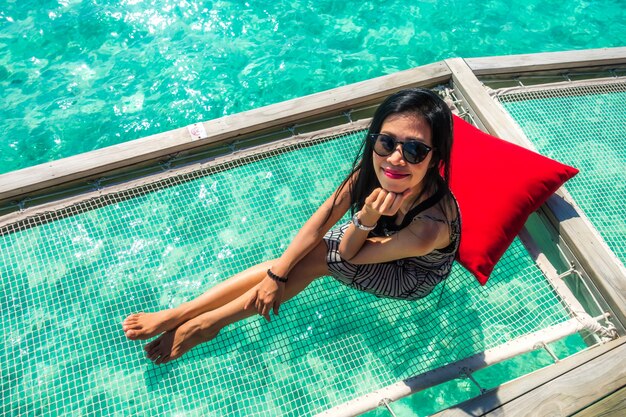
(415, 152)
(384, 145)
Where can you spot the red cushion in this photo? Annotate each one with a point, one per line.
(497, 185)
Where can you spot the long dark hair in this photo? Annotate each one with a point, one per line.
(423, 103)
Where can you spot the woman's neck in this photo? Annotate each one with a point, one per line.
(415, 198)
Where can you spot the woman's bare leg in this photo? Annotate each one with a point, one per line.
(141, 326)
(206, 326)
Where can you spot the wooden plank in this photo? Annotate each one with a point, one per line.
(15, 185)
(592, 253)
(547, 61)
(612, 406)
(572, 391)
(577, 370)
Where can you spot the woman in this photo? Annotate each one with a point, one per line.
(401, 242)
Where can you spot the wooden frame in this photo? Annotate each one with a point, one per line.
(578, 234)
(137, 182)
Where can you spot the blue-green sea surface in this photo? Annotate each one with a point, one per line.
(78, 75)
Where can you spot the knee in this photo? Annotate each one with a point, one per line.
(313, 265)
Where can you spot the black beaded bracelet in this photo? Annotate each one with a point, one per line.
(275, 277)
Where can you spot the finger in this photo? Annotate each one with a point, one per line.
(250, 301)
(276, 307)
(397, 203)
(387, 203)
(266, 312)
(379, 200)
(373, 195)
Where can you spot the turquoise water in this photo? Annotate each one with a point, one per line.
(80, 75)
(68, 284)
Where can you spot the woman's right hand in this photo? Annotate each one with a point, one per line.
(266, 296)
(382, 203)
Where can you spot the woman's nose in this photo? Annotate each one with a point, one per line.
(396, 157)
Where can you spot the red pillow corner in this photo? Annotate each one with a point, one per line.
(498, 185)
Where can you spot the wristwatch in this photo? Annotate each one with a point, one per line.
(358, 225)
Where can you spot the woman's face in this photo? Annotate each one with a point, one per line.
(394, 173)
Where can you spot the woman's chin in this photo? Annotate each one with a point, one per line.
(394, 188)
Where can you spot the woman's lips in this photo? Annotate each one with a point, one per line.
(395, 175)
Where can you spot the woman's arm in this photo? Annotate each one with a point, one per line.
(419, 238)
(379, 203)
(268, 294)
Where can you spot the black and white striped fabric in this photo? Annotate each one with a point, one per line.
(406, 279)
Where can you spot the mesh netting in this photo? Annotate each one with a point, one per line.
(583, 126)
(69, 278)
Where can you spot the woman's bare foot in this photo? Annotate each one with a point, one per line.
(173, 344)
(143, 326)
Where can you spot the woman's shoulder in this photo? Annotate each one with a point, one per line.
(444, 210)
(437, 223)
(450, 207)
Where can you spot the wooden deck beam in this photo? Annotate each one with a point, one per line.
(547, 61)
(614, 405)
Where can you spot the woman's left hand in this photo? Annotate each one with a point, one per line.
(265, 297)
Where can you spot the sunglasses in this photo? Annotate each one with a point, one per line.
(413, 151)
